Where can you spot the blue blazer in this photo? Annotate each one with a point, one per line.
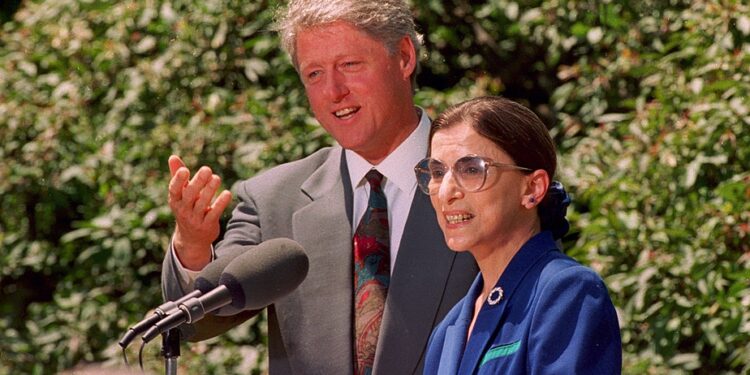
(555, 317)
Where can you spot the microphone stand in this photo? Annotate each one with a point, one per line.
(170, 349)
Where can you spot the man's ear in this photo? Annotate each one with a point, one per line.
(407, 57)
(537, 184)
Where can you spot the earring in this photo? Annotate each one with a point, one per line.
(532, 200)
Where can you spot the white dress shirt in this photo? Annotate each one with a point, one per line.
(400, 183)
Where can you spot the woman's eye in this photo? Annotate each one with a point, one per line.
(471, 171)
(437, 173)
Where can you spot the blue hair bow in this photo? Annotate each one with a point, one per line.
(553, 209)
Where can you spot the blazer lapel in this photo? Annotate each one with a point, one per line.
(491, 317)
(455, 335)
(414, 295)
(453, 348)
(317, 317)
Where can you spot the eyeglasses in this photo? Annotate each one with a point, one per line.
(470, 173)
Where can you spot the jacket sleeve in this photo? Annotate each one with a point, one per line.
(243, 230)
(574, 329)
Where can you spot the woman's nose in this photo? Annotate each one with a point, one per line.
(449, 189)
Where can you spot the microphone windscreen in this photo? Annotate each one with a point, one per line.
(208, 278)
(264, 274)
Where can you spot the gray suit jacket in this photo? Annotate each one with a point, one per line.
(311, 329)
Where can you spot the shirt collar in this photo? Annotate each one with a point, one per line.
(409, 153)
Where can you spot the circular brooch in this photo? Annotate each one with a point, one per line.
(495, 296)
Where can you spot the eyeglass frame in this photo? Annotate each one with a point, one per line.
(418, 169)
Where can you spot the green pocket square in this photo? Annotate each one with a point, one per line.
(501, 351)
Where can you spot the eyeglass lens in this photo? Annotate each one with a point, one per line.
(470, 173)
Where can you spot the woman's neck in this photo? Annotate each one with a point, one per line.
(493, 262)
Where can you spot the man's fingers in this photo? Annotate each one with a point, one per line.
(220, 204)
(175, 163)
(177, 184)
(199, 181)
(195, 194)
(206, 194)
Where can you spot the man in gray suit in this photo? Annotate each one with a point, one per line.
(357, 60)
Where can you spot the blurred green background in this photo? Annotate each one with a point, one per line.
(647, 101)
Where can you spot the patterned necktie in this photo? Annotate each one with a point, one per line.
(371, 274)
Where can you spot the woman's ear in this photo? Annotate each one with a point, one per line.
(537, 184)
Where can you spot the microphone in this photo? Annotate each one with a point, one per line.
(159, 313)
(210, 279)
(253, 280)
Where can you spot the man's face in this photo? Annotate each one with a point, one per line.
(358, 91)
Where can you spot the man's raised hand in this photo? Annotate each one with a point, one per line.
(196, 212)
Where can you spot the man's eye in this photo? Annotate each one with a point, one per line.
(350, 64)
(314, 74)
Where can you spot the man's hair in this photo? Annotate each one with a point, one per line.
(385, 20)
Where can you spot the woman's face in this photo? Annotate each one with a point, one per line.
(484, 220)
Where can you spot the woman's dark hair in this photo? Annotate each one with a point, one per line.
(522, 135)
(511, 126)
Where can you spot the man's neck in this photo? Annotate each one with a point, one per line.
(381, 151)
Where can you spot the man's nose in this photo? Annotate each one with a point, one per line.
(336, 87)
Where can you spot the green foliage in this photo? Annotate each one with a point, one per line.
(94, 97)
(663, 183)
(646, 100)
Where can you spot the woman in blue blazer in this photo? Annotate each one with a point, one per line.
(531, 309)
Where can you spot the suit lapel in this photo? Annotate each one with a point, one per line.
(317, 317)
(414, 295)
